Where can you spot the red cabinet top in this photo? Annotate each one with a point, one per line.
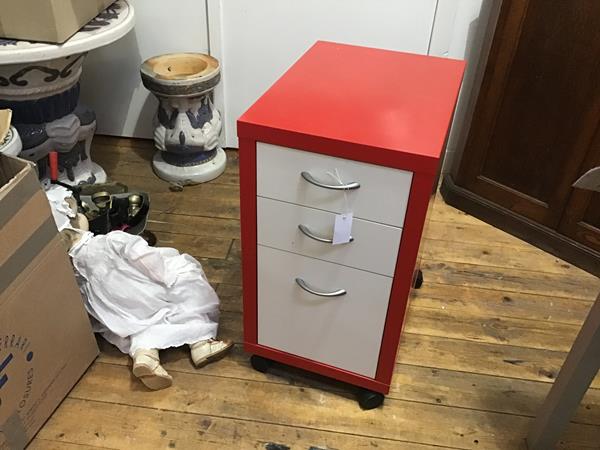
(379, 106)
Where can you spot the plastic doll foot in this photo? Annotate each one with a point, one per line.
(204, 352)
(146, 366)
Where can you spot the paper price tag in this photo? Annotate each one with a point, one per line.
(342, 228)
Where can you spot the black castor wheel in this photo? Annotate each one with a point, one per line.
(418, 280)
(369, 399)
(260, 364)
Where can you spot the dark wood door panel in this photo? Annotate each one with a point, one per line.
(589, 233)
(592, 213)
(532, 132)
(538, 108)
(581, 218)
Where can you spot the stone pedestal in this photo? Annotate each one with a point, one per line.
(43, 98)
(40, 83)
(11, 145)
(187, 126)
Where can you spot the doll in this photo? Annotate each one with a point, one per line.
(143, 299)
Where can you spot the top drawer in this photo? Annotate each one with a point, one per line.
(382, 196)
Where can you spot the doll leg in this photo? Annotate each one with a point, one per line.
(146, 366)
(209, 350)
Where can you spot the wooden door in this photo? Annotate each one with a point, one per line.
(536, 129)
(537, 114)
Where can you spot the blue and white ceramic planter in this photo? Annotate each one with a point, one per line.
(187, 126)
(40, 83)
(11, 144)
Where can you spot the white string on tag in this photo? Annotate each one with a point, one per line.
(337, 177)
(342, 226)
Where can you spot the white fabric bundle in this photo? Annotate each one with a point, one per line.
(141, 296)
(61, 211)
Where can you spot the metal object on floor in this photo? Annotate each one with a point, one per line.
(107, 212)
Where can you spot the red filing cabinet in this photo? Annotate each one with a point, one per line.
(346, 129)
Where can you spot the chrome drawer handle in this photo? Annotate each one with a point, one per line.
(305, 231)
(313, 291)
(337, 187)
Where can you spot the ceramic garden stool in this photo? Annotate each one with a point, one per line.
(11, 145)
(187, 126)
(40, 83)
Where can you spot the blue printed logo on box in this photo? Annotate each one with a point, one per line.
(16, 367)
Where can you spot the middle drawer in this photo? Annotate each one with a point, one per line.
(374, 247)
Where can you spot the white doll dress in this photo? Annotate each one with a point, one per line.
(141, 296)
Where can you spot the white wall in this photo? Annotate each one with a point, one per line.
(257, 40)
(454, 20)
(111, 82)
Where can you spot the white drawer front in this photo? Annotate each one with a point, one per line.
(344, 331)
(382, 195)
(374, 246)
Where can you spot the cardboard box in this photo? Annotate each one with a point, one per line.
(52, 21)
(46, 340)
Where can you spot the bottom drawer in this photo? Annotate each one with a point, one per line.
(343, 331)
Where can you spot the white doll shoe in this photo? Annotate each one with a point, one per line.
(146, 366)
(204, 352)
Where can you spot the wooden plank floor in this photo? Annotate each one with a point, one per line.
(484, 339)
